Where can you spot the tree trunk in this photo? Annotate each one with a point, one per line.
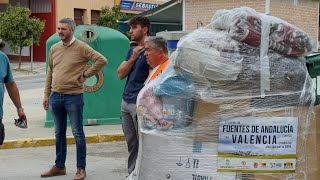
(20, 51)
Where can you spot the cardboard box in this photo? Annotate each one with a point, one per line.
(164, 155)
(170, 157)
(205, 122)
(307, 143)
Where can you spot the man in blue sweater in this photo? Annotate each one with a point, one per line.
(136, 70)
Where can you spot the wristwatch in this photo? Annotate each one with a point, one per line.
(20, 109)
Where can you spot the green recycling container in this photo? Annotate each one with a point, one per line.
(103, 92)
(313, 65)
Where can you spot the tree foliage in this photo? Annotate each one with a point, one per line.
(18, 29)
(110, 16)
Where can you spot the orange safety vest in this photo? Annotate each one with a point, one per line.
(159, 70)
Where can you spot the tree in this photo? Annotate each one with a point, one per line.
(110, 16)
(18, 29)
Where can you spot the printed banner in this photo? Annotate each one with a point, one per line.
(127, 5)
(136, 6)
(258, 144)
(140, 6)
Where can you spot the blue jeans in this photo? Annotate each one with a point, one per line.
(60, 106)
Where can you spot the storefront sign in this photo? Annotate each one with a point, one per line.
(258, 144)
(136, 6)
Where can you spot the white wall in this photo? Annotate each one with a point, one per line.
(8, 51)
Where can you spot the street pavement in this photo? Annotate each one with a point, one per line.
(26, 153)
(31, 86)
(105, 161)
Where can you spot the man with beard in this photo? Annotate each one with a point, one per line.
(136, 69)
(63, 94)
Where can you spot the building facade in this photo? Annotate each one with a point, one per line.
(301, 13)
(83, 11)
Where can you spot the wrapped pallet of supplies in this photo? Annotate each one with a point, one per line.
(235, 102)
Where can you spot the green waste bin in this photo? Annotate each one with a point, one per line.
(103, 92)
(313, 65)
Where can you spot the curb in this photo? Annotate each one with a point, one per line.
(39, 142)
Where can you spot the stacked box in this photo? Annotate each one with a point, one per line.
(236, 102)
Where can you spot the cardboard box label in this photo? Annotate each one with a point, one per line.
(257, 144)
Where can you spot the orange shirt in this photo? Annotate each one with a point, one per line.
(159, 70)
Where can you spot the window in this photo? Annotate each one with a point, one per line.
(78, 16)
(94, 16)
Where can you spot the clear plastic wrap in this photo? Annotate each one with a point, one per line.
(225, 108)
(246, 25)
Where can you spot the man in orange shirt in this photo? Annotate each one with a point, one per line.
(156, 53)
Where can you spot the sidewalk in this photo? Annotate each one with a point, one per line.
(38, 68)
(36, 134)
